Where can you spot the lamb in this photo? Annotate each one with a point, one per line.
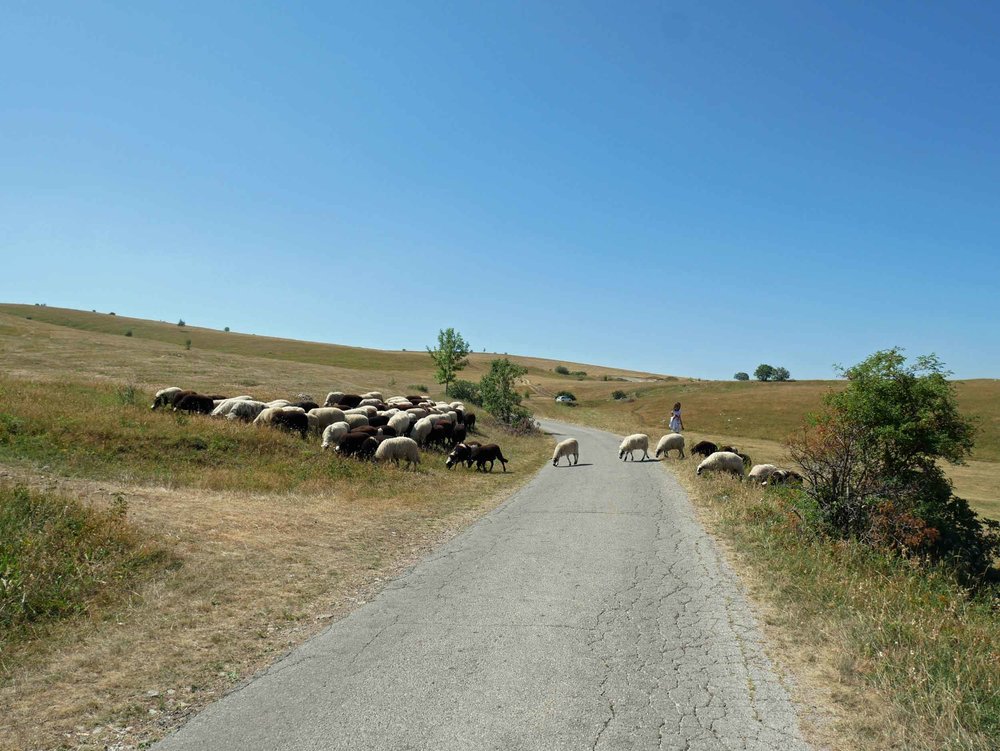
(704, 448)
(722, 461)
(246, 411)
(163, 397)
(333, 433)
(632, 443)
(394, 449)
(668, 443)
(568, 448)
(762, 473)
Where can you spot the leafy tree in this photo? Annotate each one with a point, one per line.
(497, 390)
(764, 372)
(780, 374)
(741, 376)
(561, 370)
(466, 391)
(450, 356)
(872, 462)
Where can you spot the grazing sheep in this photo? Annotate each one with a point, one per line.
(704, 448)
(246, 411)
(370, 403)
(668, 443)
(279, 403)
(387, 431)
(417, 412)
(355, 421)
(333, 398)
(488, 453)
(378, 420)
(722, 461)
(327, 416)
(306, 405)
(568, 448)
(333, 433)
(470, 420)
(762, 473)
(163, 397)
(786, 477)
(292, 421)
(349, 401)
(400, 422)
(373, 395)
(225, 406)
(439, 436)
(351, 444)
(632, 443)
(195, 403)
(421, 429)
(394, 449)
(458, 434)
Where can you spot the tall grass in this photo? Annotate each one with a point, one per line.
(928, 646)
(59, 558)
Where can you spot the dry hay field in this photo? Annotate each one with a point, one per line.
(755, 417)
(244, 541)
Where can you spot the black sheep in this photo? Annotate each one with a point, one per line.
(349, 401)
(351, 443)
(306, 405)
(704, 448)
(470, 421)
(195, 403)
(293, 422)
(458, 434)
(488, 453)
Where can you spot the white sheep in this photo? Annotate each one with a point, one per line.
(668, 443)
(279, 403)
(400, 422)
(762, 473)
(394, 449)
(723, 461)
(370, 403)
(417, 412)
(422, 429)
(457, 405)
(333, 433)
(333, 398)
(223, 406)
(326, 416)
(245, 410)
(377, 395)
(356, 421)
(265, 415)
(568, 448)
(632, 443)
(163, 397)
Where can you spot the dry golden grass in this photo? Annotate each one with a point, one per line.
(885, 654)
(264, 563)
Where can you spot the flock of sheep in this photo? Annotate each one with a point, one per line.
(716, 459)
(365, 426)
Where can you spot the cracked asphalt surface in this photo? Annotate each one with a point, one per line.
(589, 611)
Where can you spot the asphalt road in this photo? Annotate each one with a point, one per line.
(590, 611)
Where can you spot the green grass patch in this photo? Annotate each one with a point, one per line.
(911, 632)
(61, 558)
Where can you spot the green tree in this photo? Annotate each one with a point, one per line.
(496, 389)
(764, 372)
(741, 376)
(780, 374)
(872, 458)
(450, 356)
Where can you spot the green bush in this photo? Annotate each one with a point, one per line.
(618, 394)
(561, 370)
(741, 376)
(872, 460)
(466, 391)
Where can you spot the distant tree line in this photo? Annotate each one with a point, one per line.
(766, 372)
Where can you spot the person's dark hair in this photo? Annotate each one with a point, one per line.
(677, 406)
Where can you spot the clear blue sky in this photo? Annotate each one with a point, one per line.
(689, 188)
